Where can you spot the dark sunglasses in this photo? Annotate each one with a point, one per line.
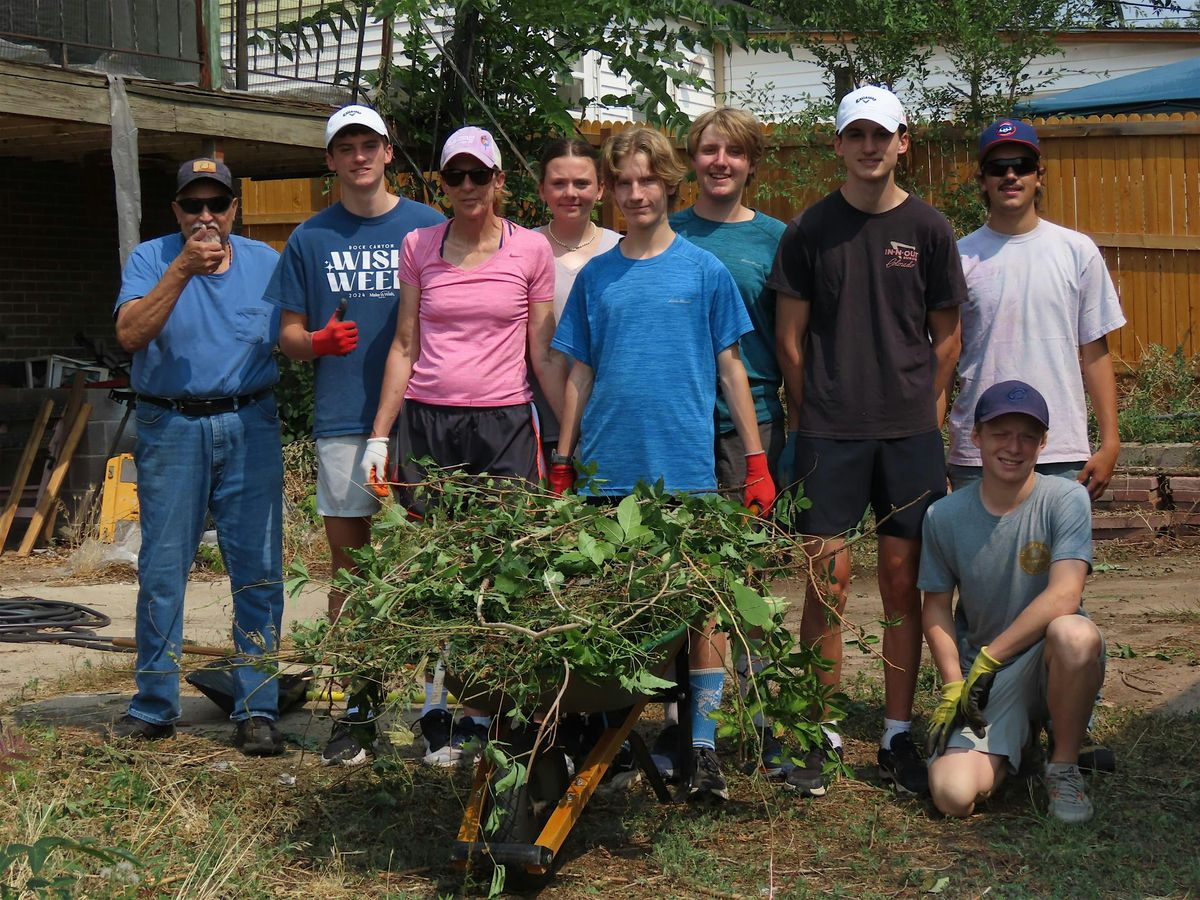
(454, 177)
(193, 206)
(1021, 165)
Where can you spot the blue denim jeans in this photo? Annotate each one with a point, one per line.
(231, 465)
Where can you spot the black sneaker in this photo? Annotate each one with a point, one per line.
(665, 752)
(347, 745)
(258, 736)
(707, 781)
(808, 778)
(435, 727)
(903, 767)
(134, 729)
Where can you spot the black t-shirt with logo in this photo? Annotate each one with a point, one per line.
(870, 279)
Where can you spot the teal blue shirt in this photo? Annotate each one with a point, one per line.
(748, 251)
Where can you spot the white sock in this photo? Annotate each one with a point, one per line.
(835, 739)
(670, 714)
(891, 728)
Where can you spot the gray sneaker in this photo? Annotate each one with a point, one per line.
(1064, 786)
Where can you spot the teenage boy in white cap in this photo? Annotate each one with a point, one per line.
(869, 284)
(337, 286)
(1017, 546)
(1039, 298)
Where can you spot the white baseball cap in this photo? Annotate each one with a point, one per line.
(355, 115)
(474, 142)
(875, 104)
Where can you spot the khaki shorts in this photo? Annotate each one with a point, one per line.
(340, 492)
(1017, 701)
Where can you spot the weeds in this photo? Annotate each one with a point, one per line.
(1161, 402)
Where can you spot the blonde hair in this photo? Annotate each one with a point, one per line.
(736, 125)
(664, 164)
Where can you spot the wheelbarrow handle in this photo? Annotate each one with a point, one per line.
(188, 647)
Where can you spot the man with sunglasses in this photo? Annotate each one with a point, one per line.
(338, 277)
(1039, 299)
(191, 312)
(1040, 302)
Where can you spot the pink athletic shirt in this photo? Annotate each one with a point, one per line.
(474, 322)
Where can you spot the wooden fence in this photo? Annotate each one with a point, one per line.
(1130, 182)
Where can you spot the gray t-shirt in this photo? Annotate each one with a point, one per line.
(1000, 564)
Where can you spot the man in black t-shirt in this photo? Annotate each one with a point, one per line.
(867, 332)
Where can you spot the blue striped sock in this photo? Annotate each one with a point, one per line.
(707, 685)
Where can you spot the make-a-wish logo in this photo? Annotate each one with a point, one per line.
(901, 256)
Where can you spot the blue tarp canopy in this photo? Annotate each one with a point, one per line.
(1171, 88)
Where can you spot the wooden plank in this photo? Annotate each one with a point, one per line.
(1135, 264)
(24, 466)
(57, 441)
(1184, 242)
(1110, 189)
(57, 477)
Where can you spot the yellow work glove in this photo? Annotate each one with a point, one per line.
(945, 720)
(975, 692)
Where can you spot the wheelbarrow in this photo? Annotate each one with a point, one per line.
(538, 812)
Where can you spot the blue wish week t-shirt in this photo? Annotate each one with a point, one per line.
(218, 339)
(651, 330)
(748, 251)
(337, 255)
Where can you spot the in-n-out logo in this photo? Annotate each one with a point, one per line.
(901, 256)
(364, 271)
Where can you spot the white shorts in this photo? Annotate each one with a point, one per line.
(340, 493)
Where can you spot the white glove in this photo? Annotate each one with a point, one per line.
(375, 466)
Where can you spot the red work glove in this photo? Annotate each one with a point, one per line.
(337, 338)
(562, 477)
(375, 466)
(760, 489)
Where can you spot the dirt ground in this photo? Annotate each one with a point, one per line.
(1146, 599)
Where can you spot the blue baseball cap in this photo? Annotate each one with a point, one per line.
(1008, 131)
(1012, 397)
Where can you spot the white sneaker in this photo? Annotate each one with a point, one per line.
(1068, 800)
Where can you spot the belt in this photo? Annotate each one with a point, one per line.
(211, 406)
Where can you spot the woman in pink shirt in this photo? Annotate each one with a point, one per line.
(476, 295)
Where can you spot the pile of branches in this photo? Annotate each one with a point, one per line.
(509, 586)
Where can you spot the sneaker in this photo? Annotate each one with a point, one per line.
(773, 762)
(435, 727)
(258, 736)
(134, 729)
(1064, 786)
(903, 767)
(346, 746)
(808, 778)
(665, 752)
(707, 781)
(449, 744)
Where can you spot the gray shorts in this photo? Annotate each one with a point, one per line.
(731, 457)
(340, 491)
(1016, 702)
(962, 476)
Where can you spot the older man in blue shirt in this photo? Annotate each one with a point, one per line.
(191, 312)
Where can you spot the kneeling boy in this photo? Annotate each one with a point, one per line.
(1017, 546)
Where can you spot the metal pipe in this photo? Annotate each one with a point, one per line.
(241, 62)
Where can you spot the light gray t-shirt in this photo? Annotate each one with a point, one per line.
(1032, 300)
(1000, 564)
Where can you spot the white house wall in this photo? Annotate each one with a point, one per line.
(774, 84)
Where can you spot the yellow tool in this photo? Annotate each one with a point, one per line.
(119, 502)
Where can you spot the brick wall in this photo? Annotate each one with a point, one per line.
(60, 271)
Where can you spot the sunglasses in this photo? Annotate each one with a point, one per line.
(455, 177)
(193, 206)
(1021, 165)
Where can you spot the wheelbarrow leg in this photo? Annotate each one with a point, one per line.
(645, 762)
(468, 830)
(683, 688)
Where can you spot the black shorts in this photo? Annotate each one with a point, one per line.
(498, 441)
(897, 477)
